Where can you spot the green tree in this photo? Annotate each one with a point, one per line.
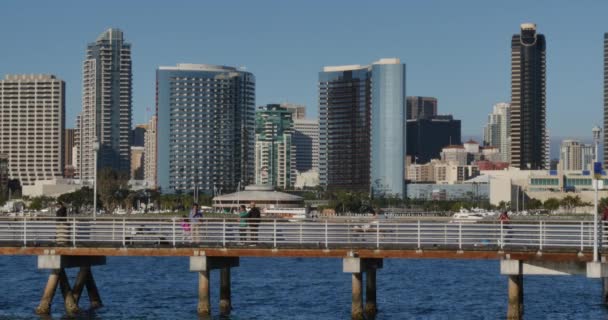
(42, 202)
(534, 204)
(111, 186)
(551, 204)
(570, 202)
(78, 200)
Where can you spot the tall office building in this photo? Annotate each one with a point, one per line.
(362, 127)
(426, 137)
(205, 129)
(150, 154)
(421, 107)
(138, 135)
(32, 124)
(137, 163)
(298, 111)
(575, 155)
(3, 175)
(106, 105)
(605, 100)
(528, 109)
(306, 142)
(496, 133)
(274, 154)
(68, 153)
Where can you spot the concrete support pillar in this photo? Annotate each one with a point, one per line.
(94, 297)
(515, 309)
(357, 297)
(71, 307)
(204, 297)
(225, 302)
(79, 284)
(370, 293)
(44, 308)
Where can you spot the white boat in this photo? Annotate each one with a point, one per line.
(292, 214)
(466, 217)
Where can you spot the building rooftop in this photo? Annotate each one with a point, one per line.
(258, 193)
(198, 67)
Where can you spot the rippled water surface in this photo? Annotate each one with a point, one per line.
(163, 288)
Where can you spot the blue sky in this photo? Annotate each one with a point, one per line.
(457, 51)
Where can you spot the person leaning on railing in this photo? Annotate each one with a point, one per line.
(195, 217)
(254, 221)
(243, 216)
(62, 225)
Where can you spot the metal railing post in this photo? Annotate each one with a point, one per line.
(502, 235)
(418, 236)
(582, 236)
(274, 234)
(173, 227)
(124, 232)
(540, 236)
(74, 232)
(326, 240)
(223, 232)
(460, 235)
(25, 231)
(300, 232)
(378, 235)
(445, 234)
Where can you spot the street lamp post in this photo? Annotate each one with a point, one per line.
(597, 172)
(95, 151)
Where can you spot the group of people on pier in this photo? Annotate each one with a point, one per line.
(249, 222)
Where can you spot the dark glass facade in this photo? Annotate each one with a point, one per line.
(421, 107)
(605, 100)
(426, 137)
(344, 129)
(528, 109)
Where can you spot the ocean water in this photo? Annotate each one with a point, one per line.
(280, 288)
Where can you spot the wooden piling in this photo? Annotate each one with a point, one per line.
(225, 299)
(71, 307)
(44, 308)
(204, 298)
(370, 293)
(605, 290)
(94, 297)
(357, 297)
(515, 310)
(79, 284)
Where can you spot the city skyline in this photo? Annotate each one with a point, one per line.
(293, 48)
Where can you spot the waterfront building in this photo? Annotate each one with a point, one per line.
(362, 127)
(528, 108)
(426, 137)
(150, 154)
(605, 100)
(264, 196)
(138, 135)
(441, 172)
(32, 124)
(575, 155)
(297, 110)
(3, 175)
(455, 153)
(421, 107)
(439, 192)
(306, 142)
(68, 153)
(205, 128)
(496, 133)
(274, 154)
(137, 163)
(106, 105)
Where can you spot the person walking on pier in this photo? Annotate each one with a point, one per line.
(243, 215)
(504, 221)
(195, 216)
(186, 229)
(254, 221)
(62, 225)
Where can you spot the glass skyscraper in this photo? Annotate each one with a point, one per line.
(528, 106)
(106, 105)
(205, 128)
(362, 127)
(273, 146)
(605, 100)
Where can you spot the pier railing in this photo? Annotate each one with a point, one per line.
(277, 233)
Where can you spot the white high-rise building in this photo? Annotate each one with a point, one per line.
(497, 132)
(150, 154)
(106, 105)
(575, 155)
(32, 124)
